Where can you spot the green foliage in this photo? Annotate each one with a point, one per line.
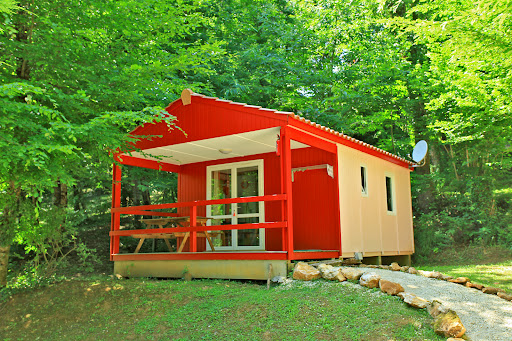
(77, 76)
(8, 6)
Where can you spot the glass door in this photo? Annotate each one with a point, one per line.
(236, 180)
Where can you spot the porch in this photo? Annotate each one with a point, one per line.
(196, 257)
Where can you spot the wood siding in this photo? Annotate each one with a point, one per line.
(204, 119)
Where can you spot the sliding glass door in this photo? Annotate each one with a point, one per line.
(236, 180)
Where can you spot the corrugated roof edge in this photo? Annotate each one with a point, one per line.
(186, 99)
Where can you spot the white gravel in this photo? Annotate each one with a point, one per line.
(486, 317)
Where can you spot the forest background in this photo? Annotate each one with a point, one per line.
(77, 76)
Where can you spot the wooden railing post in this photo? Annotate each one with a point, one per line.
(116, 202)
(193, 234)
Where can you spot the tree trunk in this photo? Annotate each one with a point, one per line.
(78, 199)
(61, 195)
(4, 261)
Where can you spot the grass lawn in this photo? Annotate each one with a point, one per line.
(489, 266)
(145, 309)
(490, 275)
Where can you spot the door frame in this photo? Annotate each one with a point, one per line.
(234, 215)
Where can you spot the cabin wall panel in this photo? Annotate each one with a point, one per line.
(350, 202)
(366, 225)
(404, 206)
(371, 206)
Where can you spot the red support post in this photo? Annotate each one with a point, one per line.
(338, 212)
(283, 188)
(193, 223)
(286, 162)
(116, 202)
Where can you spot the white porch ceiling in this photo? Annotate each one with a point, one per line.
(249, 143)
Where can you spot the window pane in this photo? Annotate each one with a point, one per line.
(389, 194)
(221, 238)
(364, 189)
(221, 189)
(248, 237)
(247, 178)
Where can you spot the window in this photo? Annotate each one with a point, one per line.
(390, 200)
(236, 180)
(364, 182)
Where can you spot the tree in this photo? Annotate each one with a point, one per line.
(468, 49)
(76, 77)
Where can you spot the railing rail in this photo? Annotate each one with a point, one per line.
(272, 225)
(128, 210)
(148, 210)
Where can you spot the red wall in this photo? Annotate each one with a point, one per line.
(314, 198)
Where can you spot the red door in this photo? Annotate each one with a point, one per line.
(315, 214)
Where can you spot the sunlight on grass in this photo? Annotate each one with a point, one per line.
(491, 275)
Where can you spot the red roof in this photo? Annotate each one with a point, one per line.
(333, 135)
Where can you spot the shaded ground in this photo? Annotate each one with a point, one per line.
(472, 254)
(137, 309)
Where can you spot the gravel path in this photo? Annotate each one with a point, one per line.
(486, 317)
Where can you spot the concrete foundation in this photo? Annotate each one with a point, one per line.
(227, 269)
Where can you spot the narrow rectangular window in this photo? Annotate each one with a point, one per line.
(364, 182)
(389, 194)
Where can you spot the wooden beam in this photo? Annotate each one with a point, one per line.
(193, 223)
(271, 225)
(271, 197)
(145, 163)
(115, 221)
(282, 165)
(311, 140)
(338, 212)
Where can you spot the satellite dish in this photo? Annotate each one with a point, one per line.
(420, 151)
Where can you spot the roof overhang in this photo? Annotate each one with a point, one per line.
(218, 148)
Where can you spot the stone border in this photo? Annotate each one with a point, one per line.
(438, 275)
(446, 321)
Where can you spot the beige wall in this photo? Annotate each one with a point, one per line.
(366, 225)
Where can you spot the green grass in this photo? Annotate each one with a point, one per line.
(490, 275)
(487, 265)
(142, 309)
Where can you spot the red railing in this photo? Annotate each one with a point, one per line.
(147, 210)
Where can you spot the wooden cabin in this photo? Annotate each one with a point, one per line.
(259, 189)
